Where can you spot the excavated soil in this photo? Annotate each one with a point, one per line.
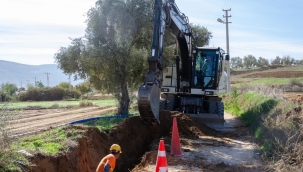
(204, 149)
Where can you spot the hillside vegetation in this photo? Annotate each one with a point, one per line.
(275, 122)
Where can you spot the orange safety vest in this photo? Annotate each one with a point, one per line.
(108, 159)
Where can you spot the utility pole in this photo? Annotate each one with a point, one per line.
(47, 78)
(21, 85)
(35, 82)
(227, 46)
(27, 83)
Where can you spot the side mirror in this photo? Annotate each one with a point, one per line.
(227, 57)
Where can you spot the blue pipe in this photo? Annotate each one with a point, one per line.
(97, 118)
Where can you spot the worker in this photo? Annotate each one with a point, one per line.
(108, 163)
(208, 70)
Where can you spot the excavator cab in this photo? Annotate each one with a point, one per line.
(207, 67)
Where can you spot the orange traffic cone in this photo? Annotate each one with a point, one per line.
(161, 164)
(175, 147)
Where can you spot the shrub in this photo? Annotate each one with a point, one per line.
(4, 97)
(296, 82)
(48, 94)
(85, 104)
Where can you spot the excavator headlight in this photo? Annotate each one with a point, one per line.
(209, 93)
(164, 90)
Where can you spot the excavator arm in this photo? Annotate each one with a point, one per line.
(166, 14)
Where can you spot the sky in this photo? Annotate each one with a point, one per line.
(32, 31)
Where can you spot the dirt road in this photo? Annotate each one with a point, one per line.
(31, 121)
(232, 150)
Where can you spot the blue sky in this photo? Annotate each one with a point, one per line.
(32, 31)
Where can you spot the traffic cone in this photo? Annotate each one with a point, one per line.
(161, 164)
(175, 147)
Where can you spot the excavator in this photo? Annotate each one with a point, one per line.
(193, 84)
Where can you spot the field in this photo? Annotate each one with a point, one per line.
(204, 149)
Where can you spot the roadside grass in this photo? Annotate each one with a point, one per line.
(275, 122)
(59, 104)
(50, 142)
(10, 159)
(106, 124)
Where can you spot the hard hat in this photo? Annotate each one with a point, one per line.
(116, 148)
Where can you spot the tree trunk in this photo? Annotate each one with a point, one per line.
(124, 100)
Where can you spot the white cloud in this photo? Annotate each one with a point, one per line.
(61, 12)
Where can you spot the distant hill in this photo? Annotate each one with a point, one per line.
(16, 73)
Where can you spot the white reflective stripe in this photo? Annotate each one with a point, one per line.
(163, 169)
(153, 52)
(161, 153)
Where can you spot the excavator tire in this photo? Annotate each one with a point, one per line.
(170, 105)
(212, 107)
(220, 106)
(162, 104)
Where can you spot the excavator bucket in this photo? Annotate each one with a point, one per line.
(148, 103)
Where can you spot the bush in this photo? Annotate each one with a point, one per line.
(85, 104)
(4, 97)
(296, 82)
(48, 94)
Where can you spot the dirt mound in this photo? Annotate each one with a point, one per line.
(295, 97)
(134, 137)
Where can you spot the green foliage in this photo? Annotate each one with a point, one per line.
(236, 62)
(297, 82)
(4, 97)
(268, 148)
(65, 85)
(232, 105)
(10, 159)
(201, 35)
(39, 84)
(275, 132)
(105, 124)
(50, 142)
(112, 55)
(48, 94)
(84, 87)
(9, 88)
(85, 104)
(249, 61)
(262, 62)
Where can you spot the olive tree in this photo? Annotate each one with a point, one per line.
(112, 54)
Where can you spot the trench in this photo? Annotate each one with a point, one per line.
(134, 137)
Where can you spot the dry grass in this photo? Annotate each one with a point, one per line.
(283, 126)
(85, 104)
(274, 92)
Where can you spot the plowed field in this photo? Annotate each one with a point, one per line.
(275, 74)
(32, 121)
